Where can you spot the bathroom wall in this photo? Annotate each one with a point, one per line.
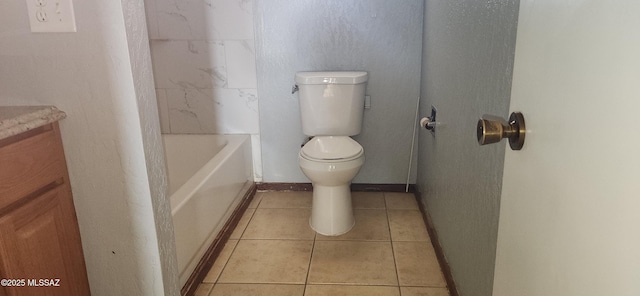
(381, 37)
(467, 64)
(204, 67)
(100, 76)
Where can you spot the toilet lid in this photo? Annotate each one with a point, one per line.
(331, 148)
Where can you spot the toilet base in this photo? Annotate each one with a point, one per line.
(331, 212)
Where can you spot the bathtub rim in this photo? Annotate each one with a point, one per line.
(198, 179)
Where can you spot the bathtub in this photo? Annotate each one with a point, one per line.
(208, 176)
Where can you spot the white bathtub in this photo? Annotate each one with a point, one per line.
(208, 176)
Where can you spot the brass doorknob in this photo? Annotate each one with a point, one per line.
(492, 129)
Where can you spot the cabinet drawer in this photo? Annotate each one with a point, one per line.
(30, 164)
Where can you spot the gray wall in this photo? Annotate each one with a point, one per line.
(381, 37)
(466, 72)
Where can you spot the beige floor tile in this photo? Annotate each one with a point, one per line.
(268, 261)
(400, 201)
(216, 269)
(342, 290)
(257, 198)
(280, 224)
(286, 199)
(257, 290)
(421, 291)
(203, 289)
(242, 224)
(407, 225)
(417, 264)
(367, 200)
(352, 262)
(370, 225)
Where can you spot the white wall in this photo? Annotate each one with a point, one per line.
(381, 37)
(204, 68)
(468, 50)
(100, 77)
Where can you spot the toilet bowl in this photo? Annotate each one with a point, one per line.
(331, 163)
(331, 111)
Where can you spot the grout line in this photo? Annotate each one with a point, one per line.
(279, 239)
(209, 290)
(224, 265)
(313, 249)
(281, 208)
(364, 285)
(384, 198)
(389, 223)
(426, 286)
(356, 240)
(233, 250)
(260, 201)
(395, 262)
(246, 226)
(393, 254)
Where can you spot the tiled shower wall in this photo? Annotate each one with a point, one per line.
(204, 67)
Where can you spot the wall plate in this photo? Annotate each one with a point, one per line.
(51, 15)
(433, 118)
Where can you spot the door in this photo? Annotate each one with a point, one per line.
(570, 209)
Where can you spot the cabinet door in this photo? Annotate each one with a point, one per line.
(41, 241)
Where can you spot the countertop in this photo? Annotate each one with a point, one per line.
(19, 119)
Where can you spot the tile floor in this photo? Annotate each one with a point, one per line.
(273, 251)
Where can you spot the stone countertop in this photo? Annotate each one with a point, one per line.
(18, 119)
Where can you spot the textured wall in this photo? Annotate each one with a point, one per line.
(381, 37)
(141, 70)
(466, 72)
(99, 77)
(204, 67)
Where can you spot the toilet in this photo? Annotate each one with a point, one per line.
(331, 109)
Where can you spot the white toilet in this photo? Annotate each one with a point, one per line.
(331, 109)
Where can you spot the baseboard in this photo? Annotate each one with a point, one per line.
(284, 186)
(354, 187)
(444, 265)
(212, 253)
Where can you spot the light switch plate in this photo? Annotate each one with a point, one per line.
(51, 15)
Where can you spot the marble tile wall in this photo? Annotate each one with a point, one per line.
(204, 67)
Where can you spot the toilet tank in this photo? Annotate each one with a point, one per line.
(331, 103)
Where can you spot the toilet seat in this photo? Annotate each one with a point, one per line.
(331, 160)
(331, 149)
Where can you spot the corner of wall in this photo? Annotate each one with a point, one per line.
(140, 59)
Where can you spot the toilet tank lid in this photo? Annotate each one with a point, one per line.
(331, 147)
(335, 77)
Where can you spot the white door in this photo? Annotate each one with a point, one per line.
(570, 209)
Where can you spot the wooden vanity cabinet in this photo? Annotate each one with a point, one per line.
(39, 236)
